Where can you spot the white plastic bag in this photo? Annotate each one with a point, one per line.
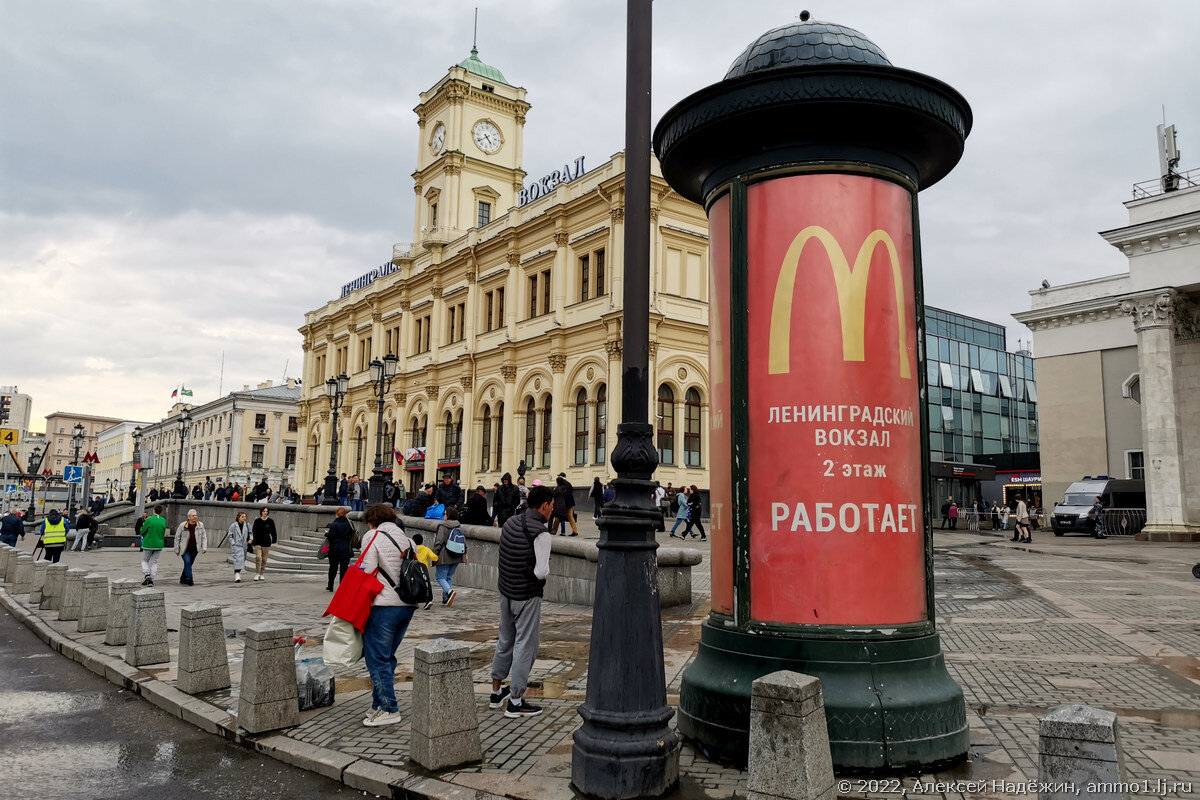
(343, 644)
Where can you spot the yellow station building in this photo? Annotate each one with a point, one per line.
(505, 312)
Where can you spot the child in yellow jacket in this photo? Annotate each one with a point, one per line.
(424, 554)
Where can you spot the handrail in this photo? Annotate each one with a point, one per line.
(1154, 186)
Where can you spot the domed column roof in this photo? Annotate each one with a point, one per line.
(473, 65)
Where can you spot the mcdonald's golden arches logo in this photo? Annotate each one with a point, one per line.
(851, 293)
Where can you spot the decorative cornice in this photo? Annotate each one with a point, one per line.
(436, 291)
(513, 259)
(1149, 311)
(431, 391)
(453, 169)
(405, 305)
(613, 348)
(560, 239)
(558, 362)
(401, 398)
(325, 415)
(372, 405)
(467, 382)
(617, 214)
(652, 348)
(471, 276)
(508, 372)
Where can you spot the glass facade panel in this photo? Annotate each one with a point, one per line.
(1005, 386)
(976, 381)
(931, 374)
(947, 375)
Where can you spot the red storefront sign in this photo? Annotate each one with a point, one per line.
(836, 512)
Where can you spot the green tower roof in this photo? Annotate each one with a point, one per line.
(473, 64)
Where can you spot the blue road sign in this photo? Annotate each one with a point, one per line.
(73, 473)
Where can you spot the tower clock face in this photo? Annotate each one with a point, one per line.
(487, 137)
(439, 138)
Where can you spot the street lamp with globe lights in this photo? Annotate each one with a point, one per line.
(382, 373)
(77, 441)
(35, 458)
(335, 392)
(185, 419)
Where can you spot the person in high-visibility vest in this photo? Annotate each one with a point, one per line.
(54, 534)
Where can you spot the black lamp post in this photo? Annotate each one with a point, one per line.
(382, 373)
(34, 461)
(180, 487)
(335, 392)
(77, 440)
(135, 463)
(625, 747)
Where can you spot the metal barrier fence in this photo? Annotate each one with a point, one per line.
(1123, 521)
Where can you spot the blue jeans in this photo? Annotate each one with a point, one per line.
(678, 521)
(381, 638)
(188, 558)
(445, 577)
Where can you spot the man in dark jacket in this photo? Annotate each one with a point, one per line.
(85, 525)
(477, 513)
(423, 501)
(262, 490)
(507, 498)
(564, 507)
(11, 528)
(524, 563)
(449, 493)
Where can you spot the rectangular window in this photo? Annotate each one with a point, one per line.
(260, 421)
(489, 302)
(533, 295)
(423, 325)
(1135, 464)
(433, 220)
(1005, 386)
(485, 213)
(599, 273)
(947, 376)
(289, 457)
(293, 424)
(451, 324)
(462, 322)
(546, 294)
(499, 308)
(583, 278)
(257, 452)
(530, 432)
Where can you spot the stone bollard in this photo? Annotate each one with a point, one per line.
(1079, 745)
(53, 588)
(120, 600)
(789, 741)
(147, 640)
(39, 581)
(203, 660)
(72, 594)
(8, 563)
(445, 726)
(22, 580)
(268, 697)
(93, 611)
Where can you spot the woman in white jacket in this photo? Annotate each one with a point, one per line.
(383, 549)
(239, 533)
(190, 540)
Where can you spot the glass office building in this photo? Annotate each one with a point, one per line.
(982, 403)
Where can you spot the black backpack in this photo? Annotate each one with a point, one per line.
(413, 587)
(674, 503)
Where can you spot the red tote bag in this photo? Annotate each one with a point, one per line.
(354, 595)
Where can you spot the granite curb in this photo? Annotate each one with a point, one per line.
(350, 771)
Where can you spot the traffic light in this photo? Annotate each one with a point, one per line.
(5, 405)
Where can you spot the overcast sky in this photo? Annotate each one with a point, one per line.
(185, 179)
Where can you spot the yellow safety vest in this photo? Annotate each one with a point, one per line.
(55, 534)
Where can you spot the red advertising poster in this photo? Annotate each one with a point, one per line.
(720, 494)
(835, 436)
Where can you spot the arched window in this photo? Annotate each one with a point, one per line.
(448, 436)
(601, 423)
(360, 452)
(691, 428)
(458, 423)
(581, 427)
(485, 446)
(547, 429)
(313, 449)
(530, 430)
(666, 425)
(499, 434)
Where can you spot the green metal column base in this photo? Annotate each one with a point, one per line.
(889, 703)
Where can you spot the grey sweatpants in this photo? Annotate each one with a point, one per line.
(516, 649)
(150, 563)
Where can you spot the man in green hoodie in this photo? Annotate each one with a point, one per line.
(154, 533)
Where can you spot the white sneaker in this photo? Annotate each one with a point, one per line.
(262, 577)
(237, 577)
(371, 715)
(257, 577)
(382, 718)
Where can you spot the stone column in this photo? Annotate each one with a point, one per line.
(558, 432)
(469, 446)
(268, 698)
(147, 641)
(1079, 745)
(613, 395)
(203, 659)
(116, 631)
(789, 741)
(1154, 320)
(39, 581)
(22, 580)
(508, 457)
(72, 595)
(445, 725)
(563, 271)
(93, 610)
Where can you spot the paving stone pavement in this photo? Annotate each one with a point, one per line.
(1114, 624)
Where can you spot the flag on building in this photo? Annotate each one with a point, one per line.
(174, 394)
(185, 392)
(399, 457)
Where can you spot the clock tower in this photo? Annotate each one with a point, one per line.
(469, 151)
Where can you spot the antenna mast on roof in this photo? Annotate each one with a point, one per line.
(475, 34)
(1168, 156)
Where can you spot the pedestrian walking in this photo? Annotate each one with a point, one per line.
(1022, 532)
(681, 508)
(596, 495)
(564, 507)
(946, 512)
(446, 544)
(1098, 513)
(660, 496)
(995, 515)
(191, 540)
(524, 563)
(263, 533)
(695, 511)
(384, 548)
(506, 500)
(952, 513)
(340, 538)
(11, 528)
(53, 532)
(153, 540)
(239, 536)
